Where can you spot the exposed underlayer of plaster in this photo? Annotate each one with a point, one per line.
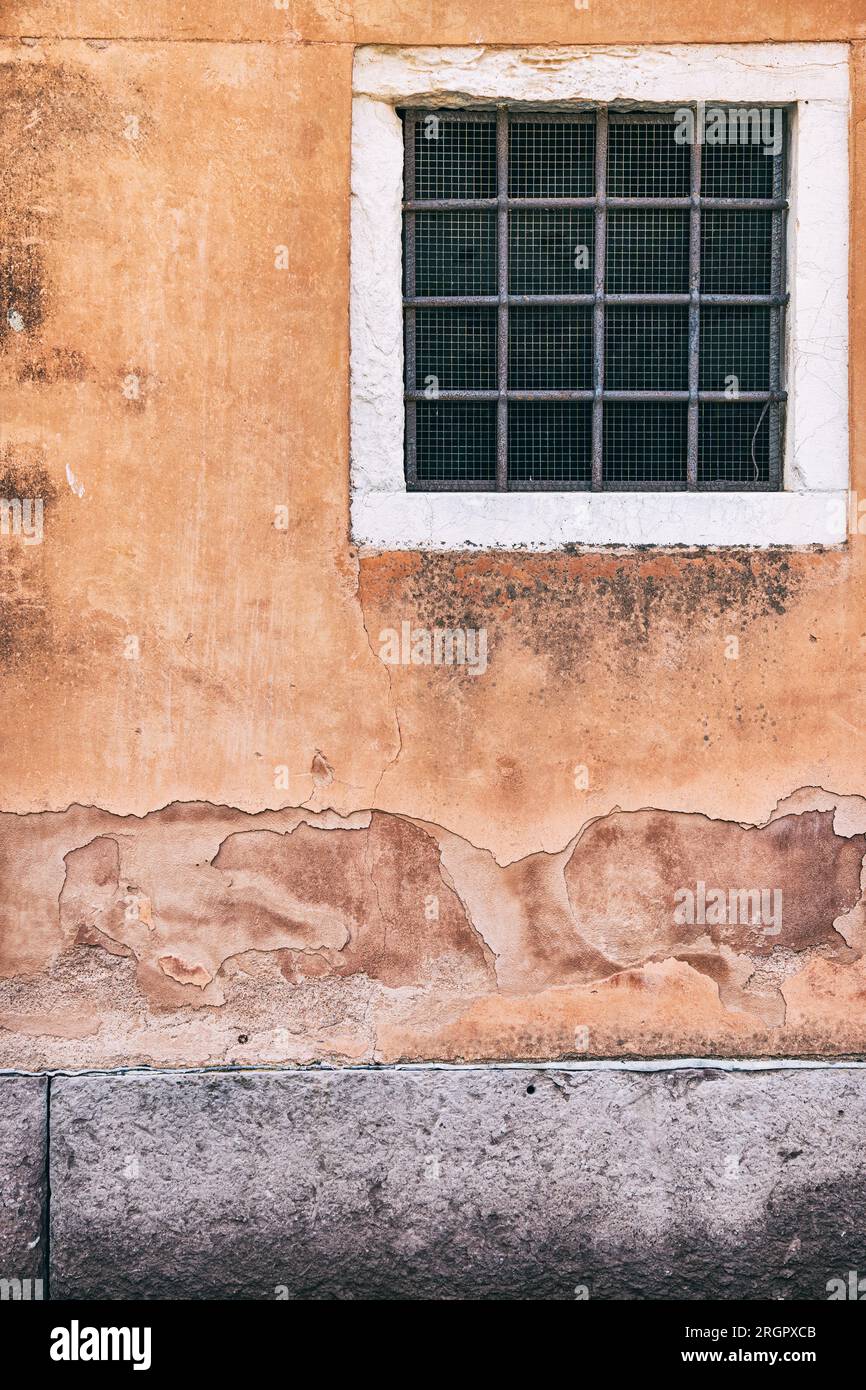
(201, 935)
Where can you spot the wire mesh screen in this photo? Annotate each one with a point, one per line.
(550, 159)
(455, 441)
(551, 252)
(549, 441)
(455, 158)
(594, 299)
(735, 349)
(645, 160)
(735, 443)
(647, 348)
(735, 252)
(645, 442)
(550, 349)
(455, 253)
(455, 350)
(647, 251)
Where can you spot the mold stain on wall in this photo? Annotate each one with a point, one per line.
(434, 880)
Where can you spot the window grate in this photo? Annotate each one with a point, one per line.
(592, 302)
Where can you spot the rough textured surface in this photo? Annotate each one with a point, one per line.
(165, 389)
(23, 1142)
(496, 1184)
(204, 935)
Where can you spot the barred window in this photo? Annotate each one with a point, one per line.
(592, 300)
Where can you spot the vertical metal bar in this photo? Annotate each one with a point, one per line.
(601, 129)
(777, 280)
(409, 121)
(694, 305)
(502, 337)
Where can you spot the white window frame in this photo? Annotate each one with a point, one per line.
(811, 508)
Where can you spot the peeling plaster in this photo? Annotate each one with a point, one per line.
(403, 941)
(121, 938)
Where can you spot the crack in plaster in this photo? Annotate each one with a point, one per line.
(502, 911)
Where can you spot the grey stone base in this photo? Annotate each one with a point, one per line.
(23, 1144)
(479, 1184)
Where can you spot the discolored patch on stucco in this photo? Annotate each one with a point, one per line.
(368, 900)
(377, 937)
(563, 605)
(171, 936)
(23, 474)
(50, 111)
(49, 368)
(28, 497)
(649, 883)
(22, 290)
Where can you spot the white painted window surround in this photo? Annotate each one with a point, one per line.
(811, 509)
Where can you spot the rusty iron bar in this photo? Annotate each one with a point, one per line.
(502, 268)
(410, 327)
(588, 394)
(598, 318)
(489, 301)
(694, 318)
(777, 285)
(684, 204)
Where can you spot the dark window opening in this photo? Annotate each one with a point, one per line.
(592, 300)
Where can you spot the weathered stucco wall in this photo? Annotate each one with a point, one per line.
(232, 832)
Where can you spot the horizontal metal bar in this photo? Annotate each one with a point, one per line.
(485, 114)
(437, 485)
(528, 300)
(471, 301)
(584, 113)
(549, 485)
(766, 301)
(638, 300)
(727, 485)
(589, 202)
(511, 395)
(572, 114)
(566, 115)
(713, 397)
(742, 204)
(722, 398)
(608, 485)
(648, 485)
(452, 301)
(490, 204)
